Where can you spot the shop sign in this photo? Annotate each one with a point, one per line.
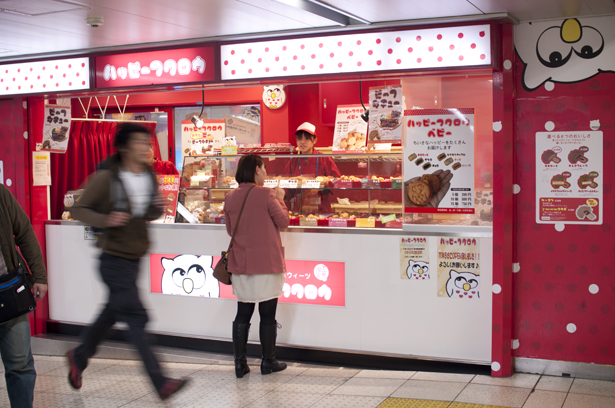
(350, 132)
(439, 161)
(70, 74)
(458, 268)
(569, 177)
(307, 282)
(156, 67)
(419, 49)
(414, 257)
(56, 128)
(41, 169)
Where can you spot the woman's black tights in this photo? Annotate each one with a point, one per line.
(265, 309)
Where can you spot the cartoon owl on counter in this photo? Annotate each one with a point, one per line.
(463, 285)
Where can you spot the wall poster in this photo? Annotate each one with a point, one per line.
(203, 140)
(350, 133)
(56, 128)
(385, 115)
(459, 268)
(439, 161)
(414, 256)
(569, 177)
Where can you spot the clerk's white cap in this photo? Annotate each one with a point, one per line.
(308, 127)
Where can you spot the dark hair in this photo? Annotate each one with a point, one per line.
(124, 132)
(246, 168)
(305, 135)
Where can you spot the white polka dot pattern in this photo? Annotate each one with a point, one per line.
(397, 50)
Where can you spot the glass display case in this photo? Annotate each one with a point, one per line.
(326, 190)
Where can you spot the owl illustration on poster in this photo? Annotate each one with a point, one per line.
(463, 285)
(189, 275)
(417, 270)
(274, 96)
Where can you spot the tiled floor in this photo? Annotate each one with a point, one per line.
(119, 383)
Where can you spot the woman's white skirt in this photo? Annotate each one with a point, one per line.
(258, 287)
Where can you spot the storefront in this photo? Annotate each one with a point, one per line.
(387, 256)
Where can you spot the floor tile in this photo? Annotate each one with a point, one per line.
(413, 403)
(516, 380)
(330, 372)
(347, 401)
(222, 399)
(276, 399)
(311, 385)
(593, 387)
(545, 399)
(427, 376)
(588, 401)
(550, 383)
(494, 395)
(431, 390)
(369, 387)
(404, 375)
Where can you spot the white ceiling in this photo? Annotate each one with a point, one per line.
(40, 28)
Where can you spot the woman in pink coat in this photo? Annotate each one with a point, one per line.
(256, 260)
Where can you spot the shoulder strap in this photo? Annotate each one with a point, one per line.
(238, 218)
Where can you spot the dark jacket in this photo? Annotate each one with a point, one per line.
(129, 241)
(15, 229)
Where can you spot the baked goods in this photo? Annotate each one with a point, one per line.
(433, 181)
(419, 162)
(587, 181)
(426, 166)
(576, 156)
(549, 156)
(441, 156)
(559, 181)
(412, 157)
(420, 192)
(448, 161)
(374, 134)
(456, 166)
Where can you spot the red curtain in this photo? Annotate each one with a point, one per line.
(90, 143)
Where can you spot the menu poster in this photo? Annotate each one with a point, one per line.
(414, 256)
(350, 133)
(168, 186)
(569, 177)
(439, 161)
(385, 115)
(41, 169)
(56, 128)
(459, 268)
(203, 140)
(245, 131)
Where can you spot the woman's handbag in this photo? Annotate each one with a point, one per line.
(221, 269)
(16, 298)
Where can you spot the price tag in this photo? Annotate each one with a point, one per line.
(271, 183)
(365, 223)
(338, 222)
(229, 150)
(388, 218)
(383, 147)
(289, 183)
(310, 184)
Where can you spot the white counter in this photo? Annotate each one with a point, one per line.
(383, 314)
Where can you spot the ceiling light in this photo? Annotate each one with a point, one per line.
(197, 121)
(324, 10)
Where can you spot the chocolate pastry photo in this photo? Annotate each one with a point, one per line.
(577, 156)
(427, 190)
(585, 211)
(587, 181)
(550, 156)
(559, 181)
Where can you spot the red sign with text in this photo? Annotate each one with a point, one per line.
(156, 67)
(307, 282)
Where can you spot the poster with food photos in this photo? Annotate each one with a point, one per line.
(350, 134)
(56, 128)
(385, 115)
(569, 177)
(203, 140)
(458, 268)
(414, 258)
(439, 161)
(168, 186)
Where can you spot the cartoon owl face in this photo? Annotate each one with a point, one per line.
(417, 270)
(189, 275)
(463, 285)
(274, 96)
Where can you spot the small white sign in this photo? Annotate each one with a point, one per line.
(1, 172)
(289, 183)
(41, 169)
(310, 184)
(271, 183)
(88, 233)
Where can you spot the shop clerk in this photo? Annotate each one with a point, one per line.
(312, 166)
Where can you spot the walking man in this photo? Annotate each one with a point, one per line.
(120, 200)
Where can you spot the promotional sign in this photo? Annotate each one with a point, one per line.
(56, 128)
(439, 164)
(203, 140)
(307, 282)
(414, 257)
(245, 131)
(41, 169)
(569, 177)
(350, 134)
(168, 186)
(459, 268)
(385, 115)
(156, 67)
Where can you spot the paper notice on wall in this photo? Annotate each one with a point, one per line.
(385, 115)
(41, 169)
(458, 268)
(439, 161)
(1, 172)
(203, 140)
(569, 177)
(350, 134)
(414, 257)
(245, 131)
(168, 186)
(56, 128)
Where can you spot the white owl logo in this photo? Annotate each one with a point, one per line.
(417, 270)
(274, 96)
(463, 285)
(189, 275)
